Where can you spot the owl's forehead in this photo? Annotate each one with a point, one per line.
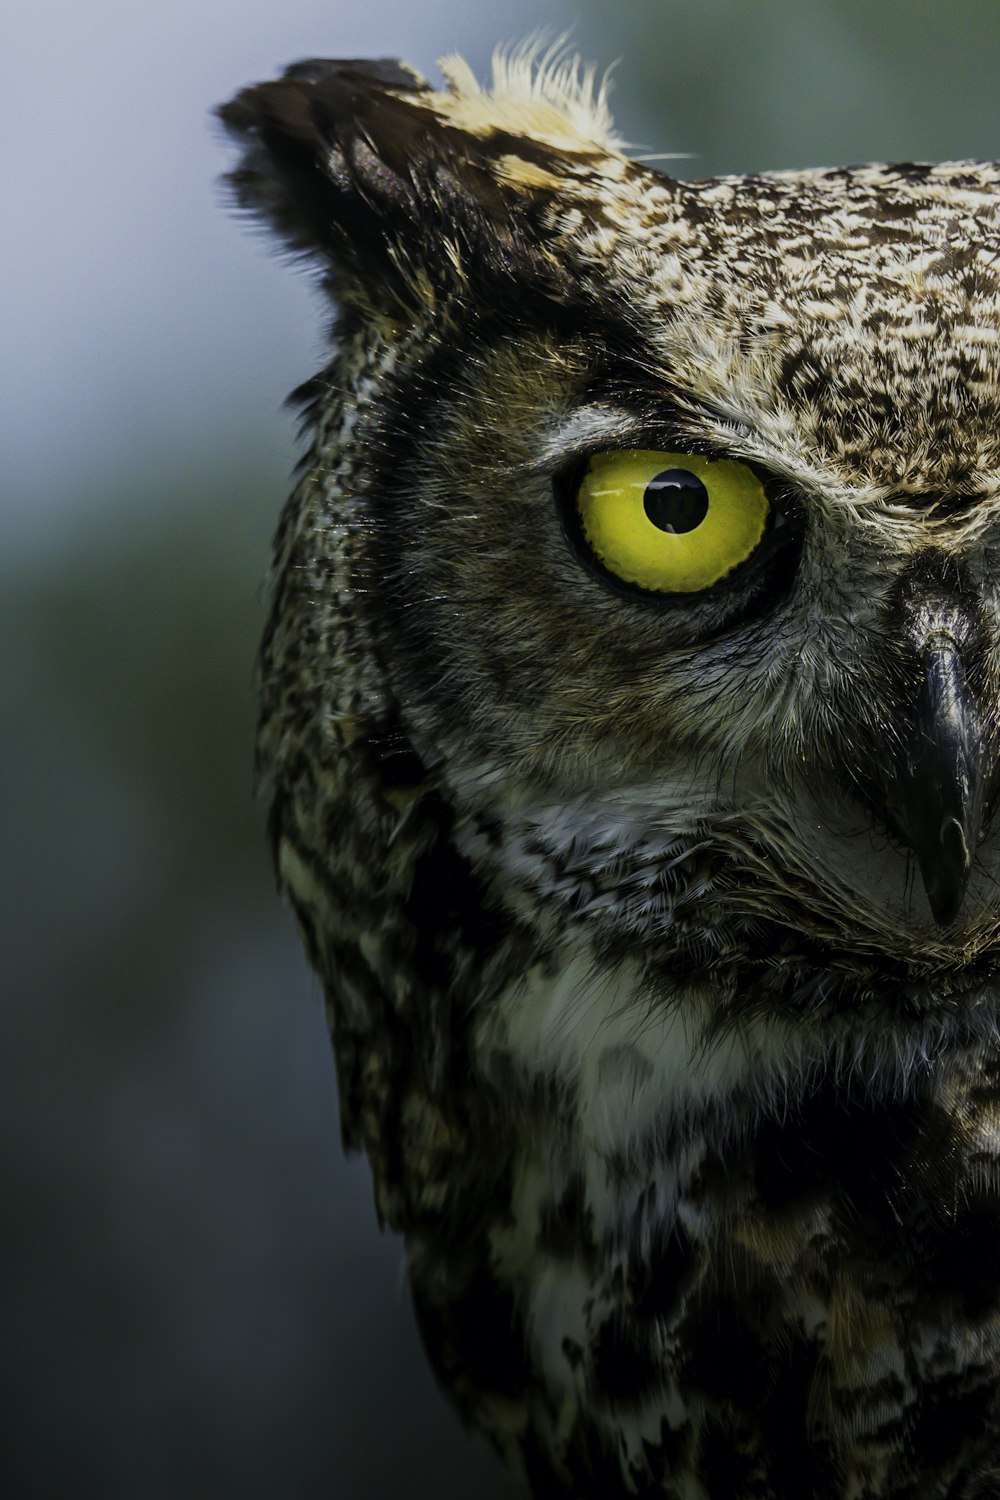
(835, 218)
(854, 311)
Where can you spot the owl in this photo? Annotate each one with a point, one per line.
(630, 730)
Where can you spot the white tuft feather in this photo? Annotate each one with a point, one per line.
(537, 90)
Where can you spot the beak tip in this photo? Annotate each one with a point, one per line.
(946, 872)
(945, 905)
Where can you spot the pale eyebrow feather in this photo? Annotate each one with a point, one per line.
(583, 428)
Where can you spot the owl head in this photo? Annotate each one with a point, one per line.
(655, 522)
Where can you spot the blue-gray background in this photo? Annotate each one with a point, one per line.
(195, 1296)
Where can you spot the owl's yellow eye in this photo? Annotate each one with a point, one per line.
(673, 523)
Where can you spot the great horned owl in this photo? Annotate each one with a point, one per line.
(630, 732)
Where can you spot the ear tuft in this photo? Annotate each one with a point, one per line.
(289, 131)
(549, 96)
(403, 191)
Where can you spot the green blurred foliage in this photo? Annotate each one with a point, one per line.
(758, 85)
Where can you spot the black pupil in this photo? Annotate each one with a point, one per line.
(676, 500)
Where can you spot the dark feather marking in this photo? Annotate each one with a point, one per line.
(340, 165)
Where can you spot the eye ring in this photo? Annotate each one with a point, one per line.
(752, 585)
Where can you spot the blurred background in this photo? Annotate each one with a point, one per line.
(196, 1300)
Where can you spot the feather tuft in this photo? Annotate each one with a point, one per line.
(539, 90)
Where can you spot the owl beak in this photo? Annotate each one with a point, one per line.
(940, 780)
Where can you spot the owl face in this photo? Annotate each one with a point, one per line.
(768, 720)
(668, 513)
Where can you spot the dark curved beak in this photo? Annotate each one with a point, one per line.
(933, 782)
(941, 777)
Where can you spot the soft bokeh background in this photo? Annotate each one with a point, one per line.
(196, 1300)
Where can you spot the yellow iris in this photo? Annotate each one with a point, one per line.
(675, 523)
